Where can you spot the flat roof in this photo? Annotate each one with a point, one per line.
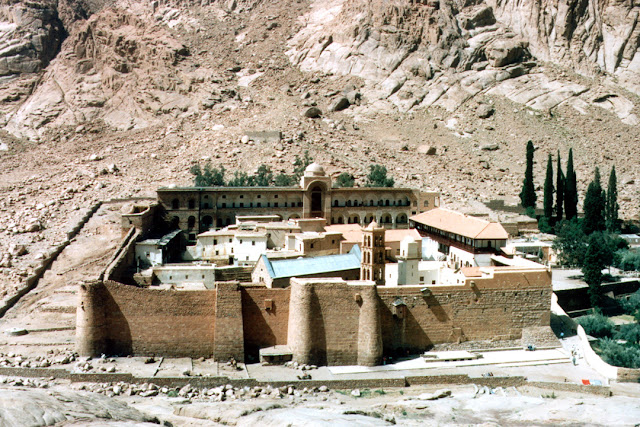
(461, 224)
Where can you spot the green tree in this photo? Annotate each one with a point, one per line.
(198, 179)
(560, 183)
(263, 176)
(596, 258)
(611, 207)
(548, 191)
(284, 180)
(570, 190)
(528, 192)
(594, 204)
(241, 179)
(570, 243)
(207, 177)
(378, 177)
(300, 164)
(344, 180)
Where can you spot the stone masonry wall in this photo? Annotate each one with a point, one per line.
(493, 309)
(159, 322)
(321, 320)
(264, 327)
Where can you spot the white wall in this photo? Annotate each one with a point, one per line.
(247, 249)
(148, 255)
(177, 274)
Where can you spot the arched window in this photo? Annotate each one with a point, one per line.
(192, 204)
(191, 222)
(316, 199)
(175, 222)
(207, 222)
(175, 204)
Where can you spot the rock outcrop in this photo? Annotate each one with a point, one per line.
(443, 53)
(30, 36)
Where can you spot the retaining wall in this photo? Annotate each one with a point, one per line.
(32, 281)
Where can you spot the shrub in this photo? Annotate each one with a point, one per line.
(628, 260)
(597, 325)
(626, 356)
(629, 332)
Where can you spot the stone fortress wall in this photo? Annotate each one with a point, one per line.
(322, 321)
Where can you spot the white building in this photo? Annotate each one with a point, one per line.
(410, 268)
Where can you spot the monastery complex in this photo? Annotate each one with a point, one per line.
(313, 274)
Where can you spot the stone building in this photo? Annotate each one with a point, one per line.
(198, 209)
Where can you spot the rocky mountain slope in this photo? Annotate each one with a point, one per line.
(102, 99)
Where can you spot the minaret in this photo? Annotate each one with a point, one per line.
(372, 265)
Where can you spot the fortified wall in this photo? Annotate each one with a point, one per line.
(322, 321)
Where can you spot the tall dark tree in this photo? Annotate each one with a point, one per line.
(528, 193)
(570, 190)
(594, 204)
(611, 207)
(597, 257)
(548, 191)
(560, 183)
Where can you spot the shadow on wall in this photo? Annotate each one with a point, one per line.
(319, 350)
(435, 307)
(258, 329)
(403, 334)
(118, 334)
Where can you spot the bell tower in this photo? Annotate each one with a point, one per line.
(372, 264)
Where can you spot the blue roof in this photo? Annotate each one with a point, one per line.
(307, 266)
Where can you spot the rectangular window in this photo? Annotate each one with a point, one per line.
(259, 196)
(240, 241)
(242, 196)
(311, 246)
(253, 243)
(241, 205)
(275, 205)
(275, 197)
(215, 241)
(224, 205)
(422, 278)
(259, 204)
(229, 240)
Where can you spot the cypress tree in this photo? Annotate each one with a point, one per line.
(570, 190)
(528, 193)
(560, 182)
(595, 260)
(611, 208)
(594, 206)
(548, 191)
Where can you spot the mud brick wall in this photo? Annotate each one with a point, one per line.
(494, 308)
(264, 328)
(150, 322)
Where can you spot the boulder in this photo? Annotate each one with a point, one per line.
(429, 150)
(485, 111)
(506, 51)
(493, 146)
(313, 113)
(339, 104)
